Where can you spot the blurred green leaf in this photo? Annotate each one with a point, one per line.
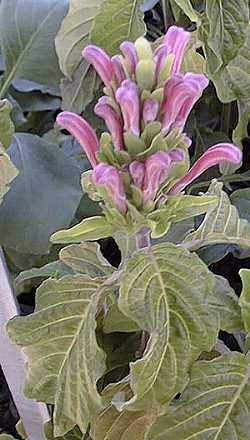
(7, 128)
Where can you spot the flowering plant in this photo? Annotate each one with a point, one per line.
(135, 334)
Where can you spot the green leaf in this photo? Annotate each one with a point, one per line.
(63, 355)
(241, 199)
(27, 33)
(115, 321)
(117, 21)
(187, 8)
(81, 81)
(6, 437)
(222, 225)
(165, 290)
(179, 208)
(75, 434)
(44, 198)
(244, 300)
(92, 228)
(227, 24)
(215, 405)
(7, 128)
(8, 172)
(86, 258)
(225, 302)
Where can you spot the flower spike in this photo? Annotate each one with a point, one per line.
(129, 51)
(118, 68)
(112, 120)
(101, 62)
(128, 97)
(157, 168)
(110, 178)
(215, 155)
(137, 171)
(83, 132)
(150, 110)
(176, 40)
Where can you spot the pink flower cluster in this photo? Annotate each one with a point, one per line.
(142, 87)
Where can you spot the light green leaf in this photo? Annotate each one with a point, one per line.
(187, 8)
(6, 437)
(64, 360)
(6, 125)
(179, 208)
(225, 302)
(241, 199)
(81, 82)
(8, 172)
(244, 300)
(221, 225)
(117, 21)
(227, 24)
(165, 290)
(115, 321)
(44, 198)
(215, 405)
(27, 33)
(92, 228)
(86, 258)
(75, 434)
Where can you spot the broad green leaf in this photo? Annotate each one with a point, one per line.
(244, 300)
(225, 302)
(81, 82)
(27, 33)
(75, 434)
(8, 172)
(35, 101)
(227, 24)
(64, 360)
(86, 258)
(166, 290)
(241, 199)
(214, 406)
(187, 8)
(6, 125)
(116, 321)
(221, 225)
(6, 437)
(117, 21)
(92, 228)
(44, 198)
(33, 277)
(179, 208)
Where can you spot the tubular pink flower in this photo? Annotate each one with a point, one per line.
(128, 97)
(83, 132)
(137, 171)
(150, 110)
(160, 55)
(157, 168)
(180, 94)
(176, 155)
(101, 63)
(118, 68)
(110, 178)
(176, 40)
(112, 120)
(215, 155)
(129, 51)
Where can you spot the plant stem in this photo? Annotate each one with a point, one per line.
(32, 414)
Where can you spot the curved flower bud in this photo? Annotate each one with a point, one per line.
(180, 94)
(128, 97)
(150, 110)
(176, 40)
(215, 155)
(129, 51)
(112, 120)
(110, 178)
(83, 132)
(157, 168)
(137, 171)
(101, 63)
(118, 68)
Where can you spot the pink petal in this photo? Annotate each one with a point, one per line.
(129, 51)
(180, 94)
(176, 40)
(101, 62)
(110, 178)
(157, 168)
(177, 154)
(83, 132)
(128, 97)
(160, 54)
(150, 110)
(112, 120)
(215, 155)
(118, 68)
(137, 170)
